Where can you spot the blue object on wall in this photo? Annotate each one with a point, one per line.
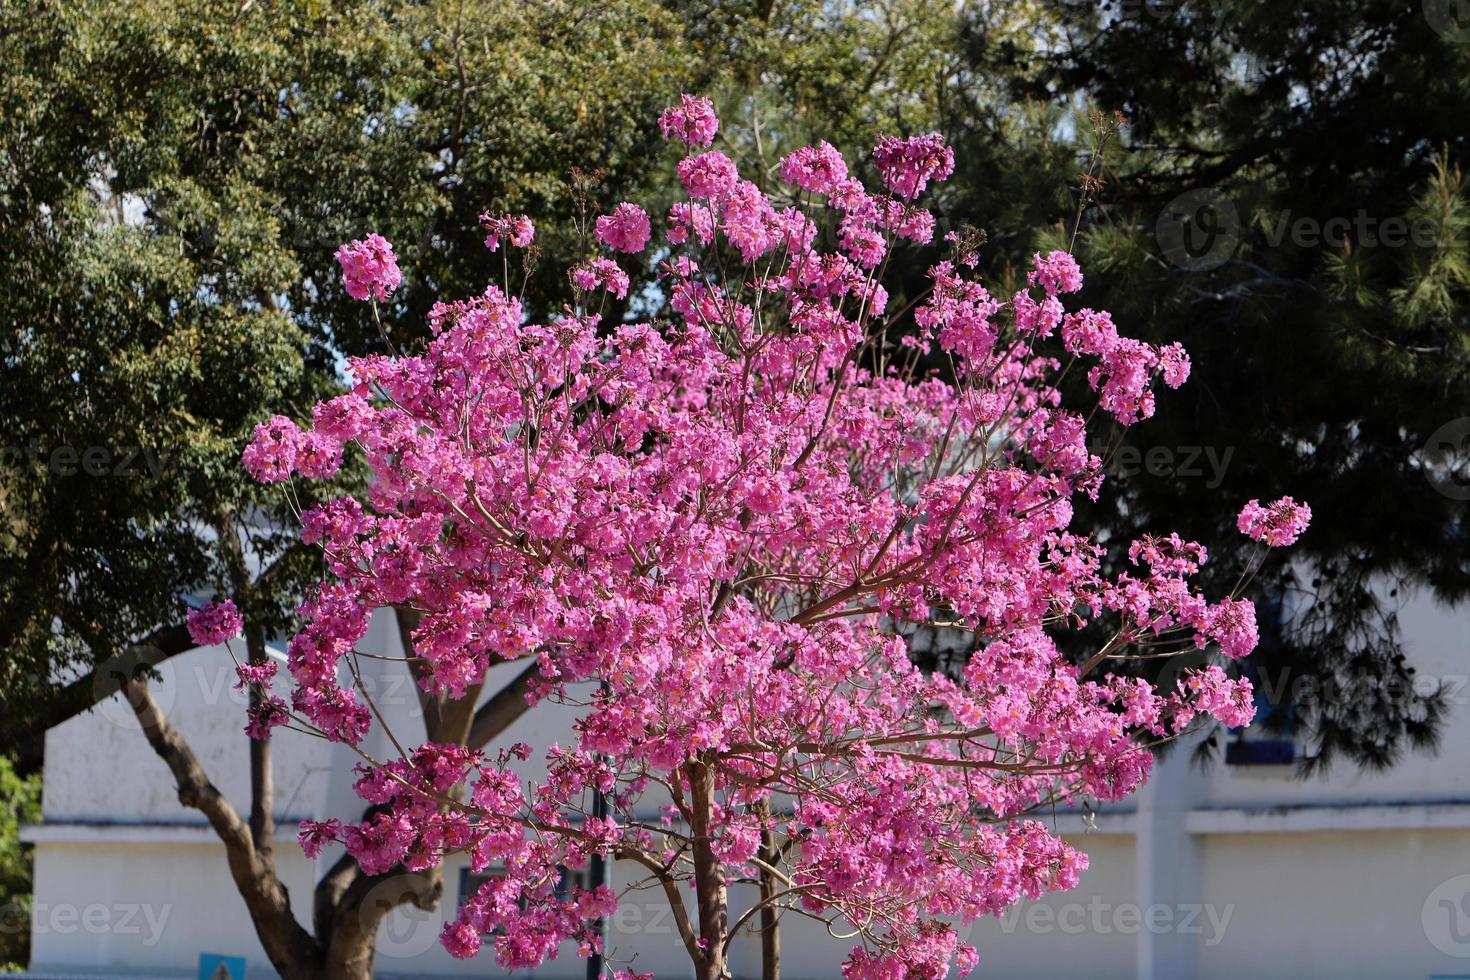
(213, 966)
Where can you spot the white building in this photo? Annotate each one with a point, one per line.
(1217, 874)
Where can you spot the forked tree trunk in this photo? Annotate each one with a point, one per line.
(352, 934)
(348, 906)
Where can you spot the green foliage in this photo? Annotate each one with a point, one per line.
(20, 803)
(1330, 352)
(174, 179)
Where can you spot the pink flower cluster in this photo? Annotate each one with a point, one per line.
(514, 228)
(279, 448)
(692, 121)
(907, 165)
(601, 274)
(369, 268)
(819, 168)
(626, 229)
(723, 523)
(214, 623)
(1278, 524)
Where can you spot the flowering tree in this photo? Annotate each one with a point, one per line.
(709, 532)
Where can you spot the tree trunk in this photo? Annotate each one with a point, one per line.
(348, 906)
(352, 942)
(262, 777)
(770, 917)
(709, 875)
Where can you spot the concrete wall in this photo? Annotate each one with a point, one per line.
(1346, 905)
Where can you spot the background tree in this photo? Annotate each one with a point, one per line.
(1288, 203)
(20, 804)
(173, 179)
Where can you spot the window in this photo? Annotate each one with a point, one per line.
(1271, 738)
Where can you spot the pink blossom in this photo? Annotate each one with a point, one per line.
(316, 834)
(708, 176)
(369, 268)
(1174, 364)
(907, 165)
(461, 939)
(271, 455)
(818, 168)
(318, 456)
(626, 229)
(1277, 524)
(749, 222)
(341, 418)
(864, 245)
(514, 228)
(1232, 624)
(685, 218)
(1056, 273)
(692, 121)
(907, 221)
(249, 673)
(214, 623)
(1214, 693)
(264, 716)
(601, 274)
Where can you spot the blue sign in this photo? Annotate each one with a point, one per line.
(213, 966)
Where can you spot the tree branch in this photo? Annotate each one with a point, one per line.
(290, 947)
(97, 685)
(497, 714)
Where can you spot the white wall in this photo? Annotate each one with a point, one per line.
(1350, 906)
(1222, 873)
